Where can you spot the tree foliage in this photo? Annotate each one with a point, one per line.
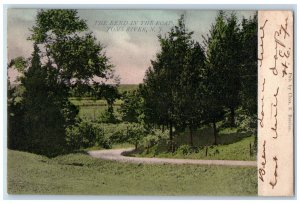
(171, 87)
(132, 107)
(224, 62)
(249, 65)
(46, 111)
(69, 47)
(65, 56)
(189, 85)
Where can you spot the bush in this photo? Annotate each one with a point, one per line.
(184, 149)
(108, 117)
(136, 132)
(102, 140)
(154, 137)
(187, 149)
(117, 133)
(86, 134)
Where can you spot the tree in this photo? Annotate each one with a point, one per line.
(110, 93)
(47, 111)
(65, 56)
(249, 65)
(66, 45)
(215, 74)
(15, 111)
(224, 57)
(20, 63)
(249, 72)
(131, 109)
(190, 108)
(162, 80)
(136, 132)
(232, 73)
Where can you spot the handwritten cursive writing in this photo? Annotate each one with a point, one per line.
(280, 48)
(261, 123)
(276, 113)
(274, 183)
(262, 171)
(262, 43)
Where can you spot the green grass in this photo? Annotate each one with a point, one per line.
(81, 174)
(232, 145)
(127, 87)
(114, 146)
(91, 102)
(88, 101)
(94, 112)
(204, 136)
(236, 151)
(91, 112)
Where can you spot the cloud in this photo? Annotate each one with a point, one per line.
(130, 52)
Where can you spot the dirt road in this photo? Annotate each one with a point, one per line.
(116, 155)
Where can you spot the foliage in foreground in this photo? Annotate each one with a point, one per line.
(65, 56)
(81, 174)
(86, 134)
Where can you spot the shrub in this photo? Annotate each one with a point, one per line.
(108, 117)
(102, 140)
(187, 149)
(117, 133)
(184, 149)
(154, 137)
(136, 132)
(86, 134)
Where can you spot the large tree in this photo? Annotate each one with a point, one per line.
(249, 66)
(65, 56)
(69, 47)
(47, 110)
(224, 58)
(249, 72)
(232, 66)
(190, 108)
(162, 80)
(216, 74)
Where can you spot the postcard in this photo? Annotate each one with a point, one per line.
(150, 102)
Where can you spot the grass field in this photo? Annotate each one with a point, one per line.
(127, 87)
(232, 145)
(236, 151)
(94, 112)
(91, 102)
(81, 174)
(93, 109)
(204, 136)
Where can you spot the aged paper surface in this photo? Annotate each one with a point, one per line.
(275, 103)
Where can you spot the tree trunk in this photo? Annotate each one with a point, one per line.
(215, 132)
(232, 117)
(191, 137)
(171, 136)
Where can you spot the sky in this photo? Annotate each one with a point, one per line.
(129, 36)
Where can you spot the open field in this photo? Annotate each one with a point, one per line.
(94, 112)
(81, 174)
(93, 109)
(127, 87)
(85, 101)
